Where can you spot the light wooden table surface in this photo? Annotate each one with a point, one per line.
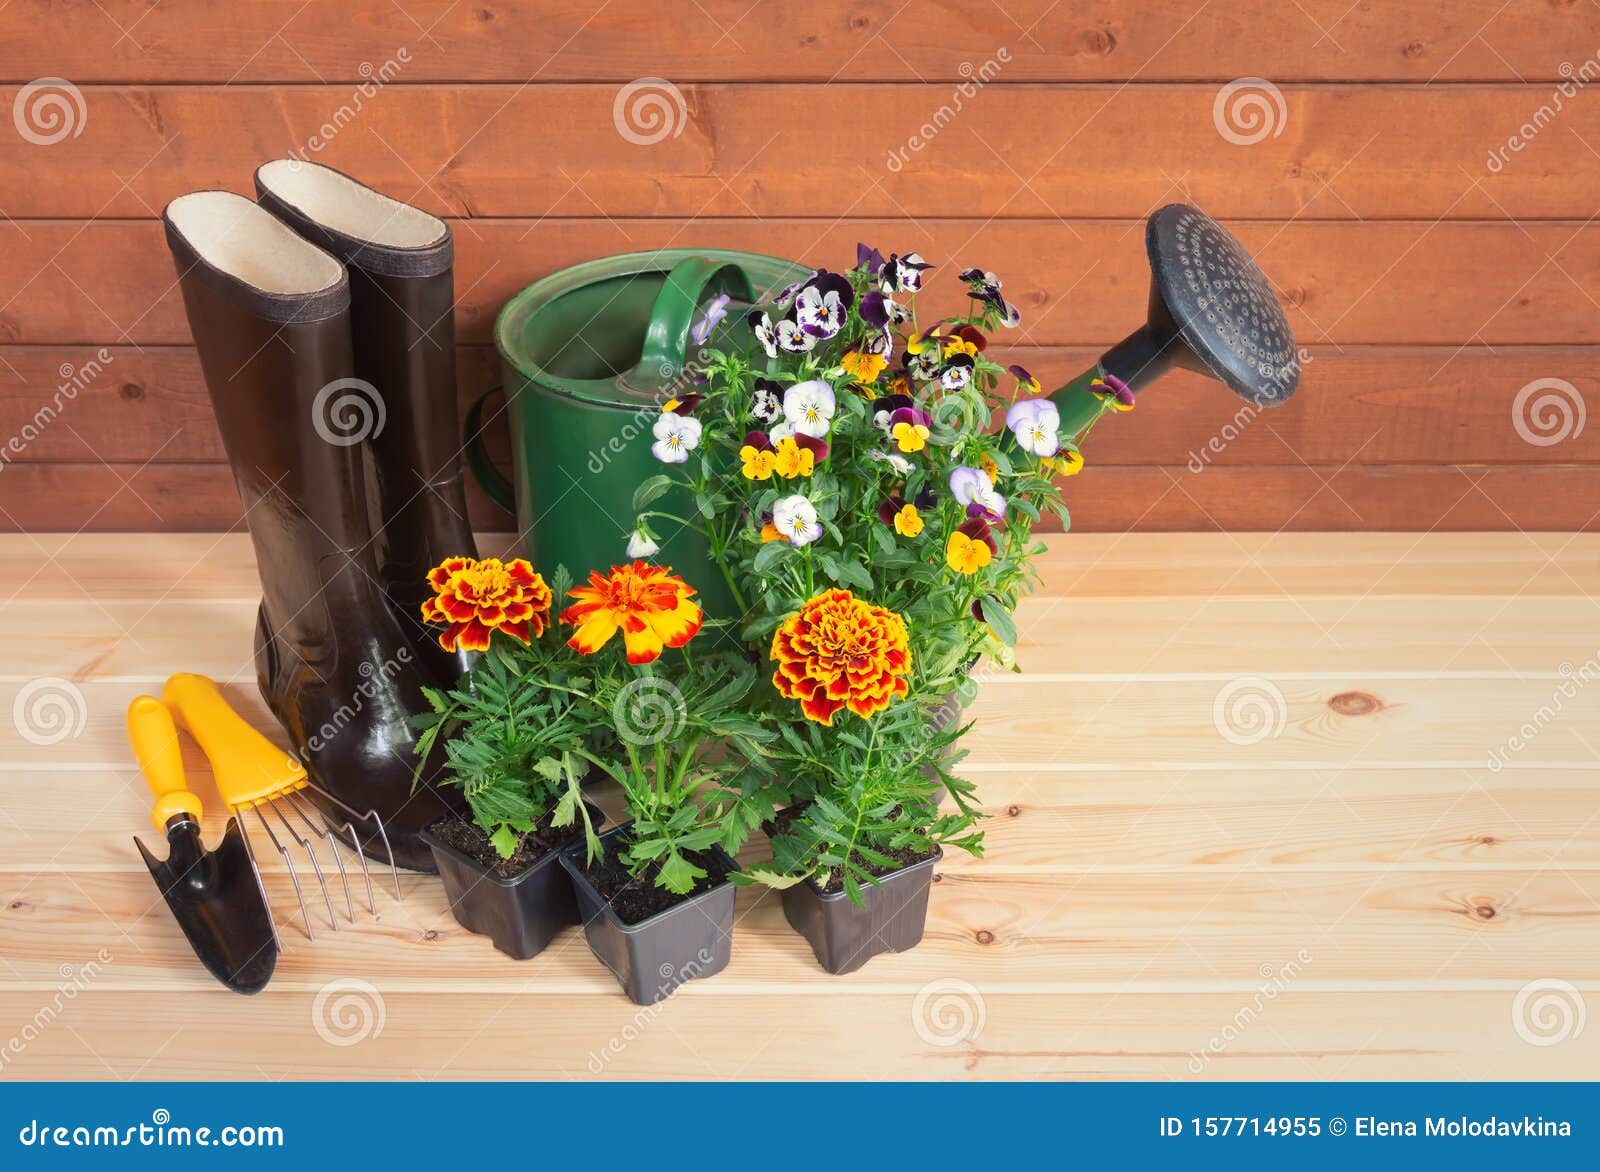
(1343, 889)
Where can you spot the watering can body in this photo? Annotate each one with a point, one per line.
(588, 355)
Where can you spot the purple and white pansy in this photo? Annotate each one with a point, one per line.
(1035, 423)
(795, 518)
(761, 326)
(676, 436)
(766, 403)
(902, 274)
(795, 338)
(716, 310)
(808, 408)
(985, 287)
(972, 488)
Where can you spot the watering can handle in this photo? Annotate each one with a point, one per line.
(666, 339)
(493, 482)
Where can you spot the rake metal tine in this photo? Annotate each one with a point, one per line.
(304, 842)
(372, 902)
(372, 817)
(327, 832)
(289, 866)
(255, 869)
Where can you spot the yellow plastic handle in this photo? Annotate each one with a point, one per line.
(154, 738)
(248, 767)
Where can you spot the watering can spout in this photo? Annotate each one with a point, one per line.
(1211, 310)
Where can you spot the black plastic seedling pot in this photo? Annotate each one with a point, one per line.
(650, 960)
(521, 914)
(844, 936)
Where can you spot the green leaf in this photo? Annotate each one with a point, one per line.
(767, 558)
(999, 620)
(650, 490)
(678, 874)
(504, 841)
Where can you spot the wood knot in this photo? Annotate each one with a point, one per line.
(1014, 811)
(1294, 295)
(808, 40)
(1355, 703)
(430, 935)
(1484, 911)
(861, 22)
(484, 16)
(18, 905)
(938, 877)
(132, 392)
(1415, 50)
(1036, 297)
(985, 936)
(1487, 840)
(1101, 42)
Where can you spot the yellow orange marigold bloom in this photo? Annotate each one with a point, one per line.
(838, 651)
(649, 604)
(475, 598)
(865, 366)
(758, 462)
(792, 460)
(966, 555)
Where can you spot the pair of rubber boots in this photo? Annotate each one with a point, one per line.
(324, 318)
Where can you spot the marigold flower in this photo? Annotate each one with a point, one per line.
(864, 366)
(649, 604)
(838, 651)
(475, 598)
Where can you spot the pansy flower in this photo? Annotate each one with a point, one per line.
(819, 314)
(1025, 381)
(769, 531)
(1035, 423)
(972, 334)
(683, 406)
(971, 547)
(676, 436)
(1067, 462)
(764, 402)
(716, 310)
(990, 468)
(883, 409)
(985, 287)
(903, 518)
(793, 338)
(863, 365)
(642, 545)
(954, 345)
(795, 518)
(908, 427)
(868, 260)
(766, 334)
(956, 372)
(790, 460)
(972, 489)
(757, 457)
(1114, 392)
(875, 309)
(808, 408)
(902, 274)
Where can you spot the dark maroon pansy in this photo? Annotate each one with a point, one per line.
(810, 443)
(757, 440)
(978, 529)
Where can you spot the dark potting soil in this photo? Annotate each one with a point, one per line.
(636, 898)
(471, 841)
(780, 823)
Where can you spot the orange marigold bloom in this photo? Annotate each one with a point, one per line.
(648, 604)
(838, 651)
(476, 598)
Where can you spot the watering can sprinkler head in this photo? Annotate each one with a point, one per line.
(1212, 310)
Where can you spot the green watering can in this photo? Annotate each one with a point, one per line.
(590, 353)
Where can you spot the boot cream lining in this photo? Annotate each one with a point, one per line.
(338, 202)
(246, 241)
